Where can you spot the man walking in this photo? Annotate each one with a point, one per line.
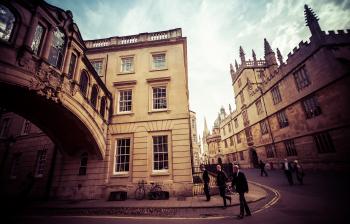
(241, 184)
(206, 180)
(287, 168)
(221, 182)
(271, 165)
(262, 167)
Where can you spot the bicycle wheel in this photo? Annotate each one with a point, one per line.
(139, 193)
(156, 193)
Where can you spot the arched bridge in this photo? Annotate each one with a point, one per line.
(46, 78)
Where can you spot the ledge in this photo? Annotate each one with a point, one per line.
(125, 73)
(160, 174)
(120, 175)
(160, 79)
(121, 114)
(156, 70)
(123, 83)
(158, 111)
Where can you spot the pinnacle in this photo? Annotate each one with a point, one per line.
(310, 16)
(267, 47)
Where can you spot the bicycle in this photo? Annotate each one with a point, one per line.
(154, 193)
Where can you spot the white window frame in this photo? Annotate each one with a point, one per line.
(116, 156)
(124, 86)
(162, 82)
(159, 61)
(162, 170)
(42, 154)
(150, 157)
(160, 89)
(25, 128)
(127, 64)
(125, 101)
(157, 54)
(99, 62)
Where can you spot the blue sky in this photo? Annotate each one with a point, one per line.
(214, 30)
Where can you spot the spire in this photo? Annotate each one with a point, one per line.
(241, 54)
(236, 65)
(219, 117)
(205, 125)
(279, 56)
(267, 47)
(229, 107)
(232, 71)
(254, 56)
(311, 21)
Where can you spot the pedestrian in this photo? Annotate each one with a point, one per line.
(206, 180)
(299, 172)
(241, 184)
(287, 169)
(25, 187)
(271, 165)
(262, 167)
(221, 182)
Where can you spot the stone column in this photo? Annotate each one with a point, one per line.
(77, 68)
(67, 61)
(47, 45)
(31, 31)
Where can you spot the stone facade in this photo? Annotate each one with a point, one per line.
(298, 109)
(116, 109)
(197, 157)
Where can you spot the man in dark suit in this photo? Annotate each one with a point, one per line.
(287, 169)
(221, 182)
(241, 184)
(206, 180)
(262, 167)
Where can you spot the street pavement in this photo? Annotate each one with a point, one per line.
(324, 198)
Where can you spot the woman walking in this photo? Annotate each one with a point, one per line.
(299, 172)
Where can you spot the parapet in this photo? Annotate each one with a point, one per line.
(142, 37)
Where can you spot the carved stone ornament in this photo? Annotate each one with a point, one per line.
(50, 84)
(24, 58)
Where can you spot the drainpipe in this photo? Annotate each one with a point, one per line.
(106, 70)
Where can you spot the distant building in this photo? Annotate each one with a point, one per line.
(113, 112)
(298, 109)
(197, 157)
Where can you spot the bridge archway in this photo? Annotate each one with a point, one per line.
(69, 130)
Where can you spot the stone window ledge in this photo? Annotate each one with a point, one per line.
(160, 174)
(126, 73)
(157, 111)
(160, 69)
(120, 175)
(121, 114)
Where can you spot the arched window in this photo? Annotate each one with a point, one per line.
(83, 83)
(83, 163)
(93, 98)
(58, 47)
(103, 107)
(7, 22)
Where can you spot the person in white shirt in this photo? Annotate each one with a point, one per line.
(287, 169)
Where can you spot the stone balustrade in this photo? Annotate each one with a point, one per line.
(142, 37)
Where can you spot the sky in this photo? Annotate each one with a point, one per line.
(215, 29)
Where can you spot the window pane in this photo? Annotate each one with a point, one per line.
(7, 21)
(38, 36)
(58, 47)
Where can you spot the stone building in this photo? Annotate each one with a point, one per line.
(196, 153)
(298, 109)
(108, 113)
